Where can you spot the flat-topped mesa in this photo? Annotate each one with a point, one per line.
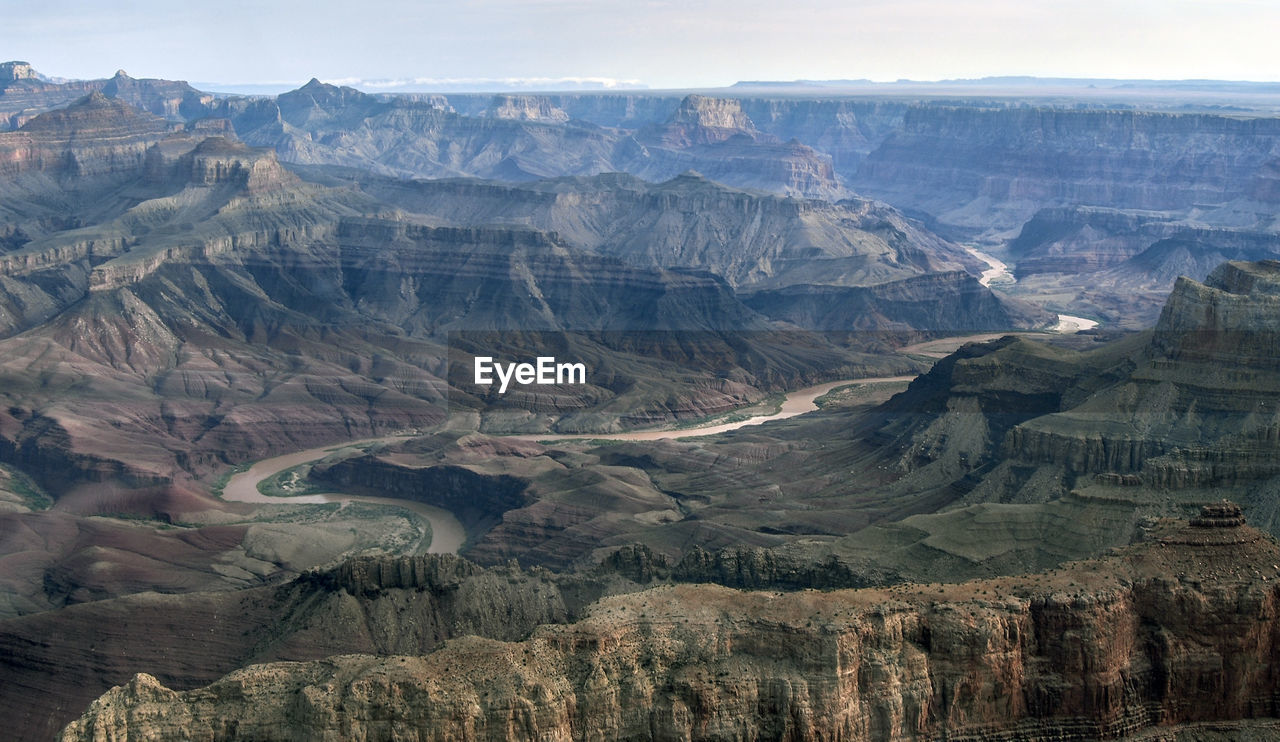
(706, 120)
(95, 114)
(1233, 318)
(526, 108)
(720, 113)
(218, 160)
(206, 155)
(14, 71)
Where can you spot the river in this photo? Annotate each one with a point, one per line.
(448, 534)
(794, 403)
(997, 269)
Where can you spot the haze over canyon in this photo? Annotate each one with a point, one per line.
(904, 413)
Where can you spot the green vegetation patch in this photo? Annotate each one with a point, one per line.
(290, 482)
(23, 489)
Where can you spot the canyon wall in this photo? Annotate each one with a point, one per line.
(1179, 630)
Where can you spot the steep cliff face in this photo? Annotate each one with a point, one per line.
(1173, 632)
(704, 120)
(94, 136)
(692, 222)
(1201, 388)
(846, 130)
(978, 168)
(1147, 420)
(1231, 320)
(526, 108)
(716, 138)
(383, 605)
(1209, 383)
(13, 71)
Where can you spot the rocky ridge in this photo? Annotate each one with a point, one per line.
(25, 94)
(1176, 631)
(750, 239)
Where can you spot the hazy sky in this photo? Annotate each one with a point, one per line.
(661, 43)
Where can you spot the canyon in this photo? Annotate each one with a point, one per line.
(906, 415)
(1178, 631)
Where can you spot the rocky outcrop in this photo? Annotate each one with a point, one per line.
(1179, 630)
(1232, 320)
(13, 71)
(1198, 409)
(704, 120)
(379, 605)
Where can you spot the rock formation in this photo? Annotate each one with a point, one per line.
(980, 167)
(937, 303)
(25, 93)
(51, 143)
(749, 239)
(1171, 633)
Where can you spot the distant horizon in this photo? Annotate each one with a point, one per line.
(589, 84)
(660, 44)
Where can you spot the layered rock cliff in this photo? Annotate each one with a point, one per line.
(981, 168)
(519, 139)
(1168, 634)
(845, 129)
(1210, 381)
(1147, 421)
(749, 239)
(52, 143)
(25, 94)
(716, 138)
(921, 306)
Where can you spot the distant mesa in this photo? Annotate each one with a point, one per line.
(526, 108)
(706, 120)
(14, 71)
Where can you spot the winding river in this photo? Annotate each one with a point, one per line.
(997, 269)
(448, 534)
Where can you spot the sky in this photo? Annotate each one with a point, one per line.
(657, 43)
